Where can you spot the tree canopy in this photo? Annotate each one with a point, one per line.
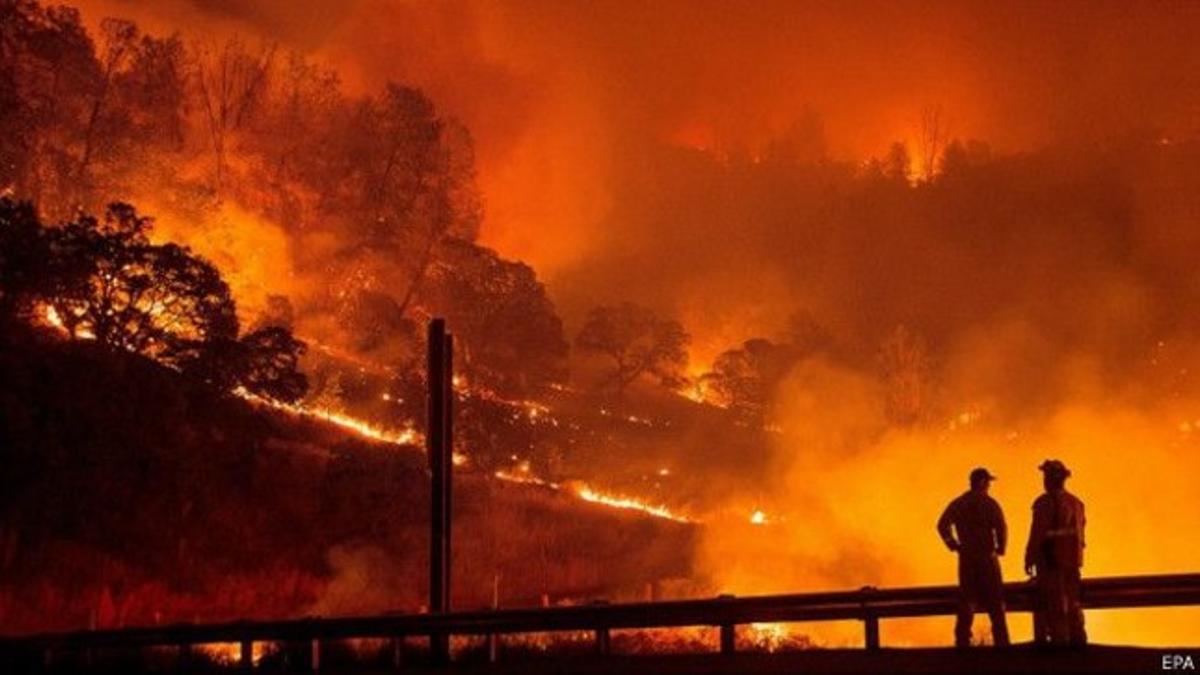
(637, 342)
(745, 379)
(102, 279)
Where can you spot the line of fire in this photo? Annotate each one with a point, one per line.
(511, 336)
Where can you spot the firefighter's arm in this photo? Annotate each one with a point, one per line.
(1082, 525)
(1035, 539)
(944, 529)
(1001, 531)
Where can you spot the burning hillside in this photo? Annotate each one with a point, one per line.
(171, 504)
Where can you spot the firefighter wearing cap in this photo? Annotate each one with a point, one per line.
(973, 526)
(1054, 556)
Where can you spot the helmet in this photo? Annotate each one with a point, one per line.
(1053, 467)
(981, 475)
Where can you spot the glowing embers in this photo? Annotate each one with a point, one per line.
(230, 653)
(406, 436)
(771, 637)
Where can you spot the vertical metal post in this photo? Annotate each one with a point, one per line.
(603, 641)
(870, 618)
(397, 653)
(314, 654)
(184, 660)
(728, 631)
(435, 440)
(448, 470)
(493, 640)
(871, 626)
(440, 444)
(603, 636)
(728, 638)
(493, 648)
(246, 660)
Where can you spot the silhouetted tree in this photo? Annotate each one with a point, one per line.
(414, 176)
(115, 286)
(638, 342)
(265, 362)
(508, 332)
(906, 367)
(371, 322)
(278, 312)
(76, 123)
(897, 165)
(745, 379)
(47, 69)
(958, 158)
(932, 140)
(23, 258)
(105, 281)
(231, 81)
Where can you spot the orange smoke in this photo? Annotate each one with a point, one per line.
(861, 501)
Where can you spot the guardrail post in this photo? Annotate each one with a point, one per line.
(493, 641)
(246, 655)
(603, 637)
(493, 647)
(870, 619)
(603, 641)
(871, 626)
(728, 639)
(398, 653)
(728, 631)
(314, 655)
(183, 660)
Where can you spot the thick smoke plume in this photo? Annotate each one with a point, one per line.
(563, 98)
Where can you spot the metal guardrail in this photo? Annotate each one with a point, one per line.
(868, 605)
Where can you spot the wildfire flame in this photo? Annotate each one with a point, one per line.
(51, 318)
(588, 494)
(409, 436)
(405, 436)
(768, 636)
(230, 653)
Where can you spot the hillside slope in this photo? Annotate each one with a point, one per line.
(128, 496)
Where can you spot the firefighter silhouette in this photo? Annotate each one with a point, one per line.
(973, 527)
(1054, 557)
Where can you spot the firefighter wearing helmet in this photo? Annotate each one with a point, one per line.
(1054, 557)
(973, 527)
